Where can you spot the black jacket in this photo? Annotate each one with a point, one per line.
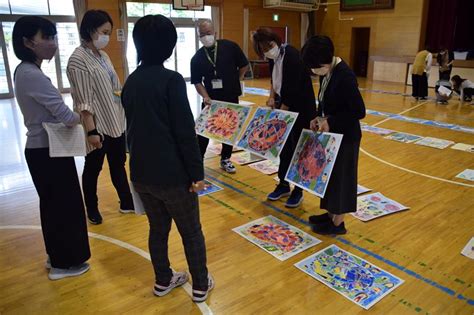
(160, 128)
(342, 103)
(297, 88)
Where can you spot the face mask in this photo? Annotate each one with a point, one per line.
(320, 71)
(273, 53)
(101, 41)
(207, 40)
(45, 49)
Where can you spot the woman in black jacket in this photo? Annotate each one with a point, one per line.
(291, 90)
(339, 110)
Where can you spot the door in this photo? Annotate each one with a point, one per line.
(360, 50)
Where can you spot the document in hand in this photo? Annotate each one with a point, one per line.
(65, 141)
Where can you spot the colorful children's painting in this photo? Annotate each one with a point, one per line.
(209, 188)
(313, 161)
(468, 250)
(222, 121)
(276, 237)
(362, 190)
(244, 157)
(351, 276)
(376, 205)
(256, 91)
(467, 174)
(266, 167)
(434, 143)
(267, 132)
(376, 130)
(403, 137)
(463, 147)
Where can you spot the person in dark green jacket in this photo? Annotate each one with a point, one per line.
(166, 167)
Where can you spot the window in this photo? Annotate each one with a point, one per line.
(37, 7)
(61, 13)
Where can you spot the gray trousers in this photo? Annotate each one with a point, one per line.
(162, 205)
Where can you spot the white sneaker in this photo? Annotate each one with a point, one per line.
(227, 166)
(58, 273)
(178, 279)
(47, 264)
(201, 296)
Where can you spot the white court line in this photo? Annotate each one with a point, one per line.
(406, 169)
(405, 111)
(203, 307)
(415, 172)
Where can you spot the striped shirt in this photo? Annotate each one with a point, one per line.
(93, 82)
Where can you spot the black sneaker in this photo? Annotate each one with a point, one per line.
(329, 229)
(319, 219)
(94, 218)
(201, 295)
(279, 192)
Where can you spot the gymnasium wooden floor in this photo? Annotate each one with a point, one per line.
(421, 245)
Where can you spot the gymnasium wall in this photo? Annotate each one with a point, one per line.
(231, 24)
(393, 33)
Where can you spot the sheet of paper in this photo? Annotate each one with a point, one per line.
(65, 141)
(468, 250)
(444, 90)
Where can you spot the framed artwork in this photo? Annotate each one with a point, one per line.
(267, 131)
(313, 161)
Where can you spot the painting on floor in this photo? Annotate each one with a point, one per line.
(351, 276)
(276, 237)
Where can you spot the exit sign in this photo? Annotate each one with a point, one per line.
(276, 17)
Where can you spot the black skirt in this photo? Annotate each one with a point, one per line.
(341, 192)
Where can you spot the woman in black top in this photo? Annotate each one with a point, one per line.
(291, 90)
(339, 110)
(445, 60)
(165, 163)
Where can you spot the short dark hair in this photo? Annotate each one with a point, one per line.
(92, 20)
(264, 35)
(28, 27)
(317, 51)
(154, 37)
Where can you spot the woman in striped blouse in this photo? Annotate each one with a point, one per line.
(95, 88)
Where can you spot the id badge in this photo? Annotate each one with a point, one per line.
(217, 84)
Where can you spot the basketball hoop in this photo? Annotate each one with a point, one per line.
(188, 5)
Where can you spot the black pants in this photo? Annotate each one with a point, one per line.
(420, 85)
(114, 148)
(286, 154)
(445, 75)
(63, 220)
(226, 152)
(468, 93)
(162, 205)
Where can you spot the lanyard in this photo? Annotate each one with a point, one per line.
(325, 84)
(213, 62)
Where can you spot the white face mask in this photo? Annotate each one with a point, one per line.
(320, 71)
(207, 40)
(273, 53)
(101, 42)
